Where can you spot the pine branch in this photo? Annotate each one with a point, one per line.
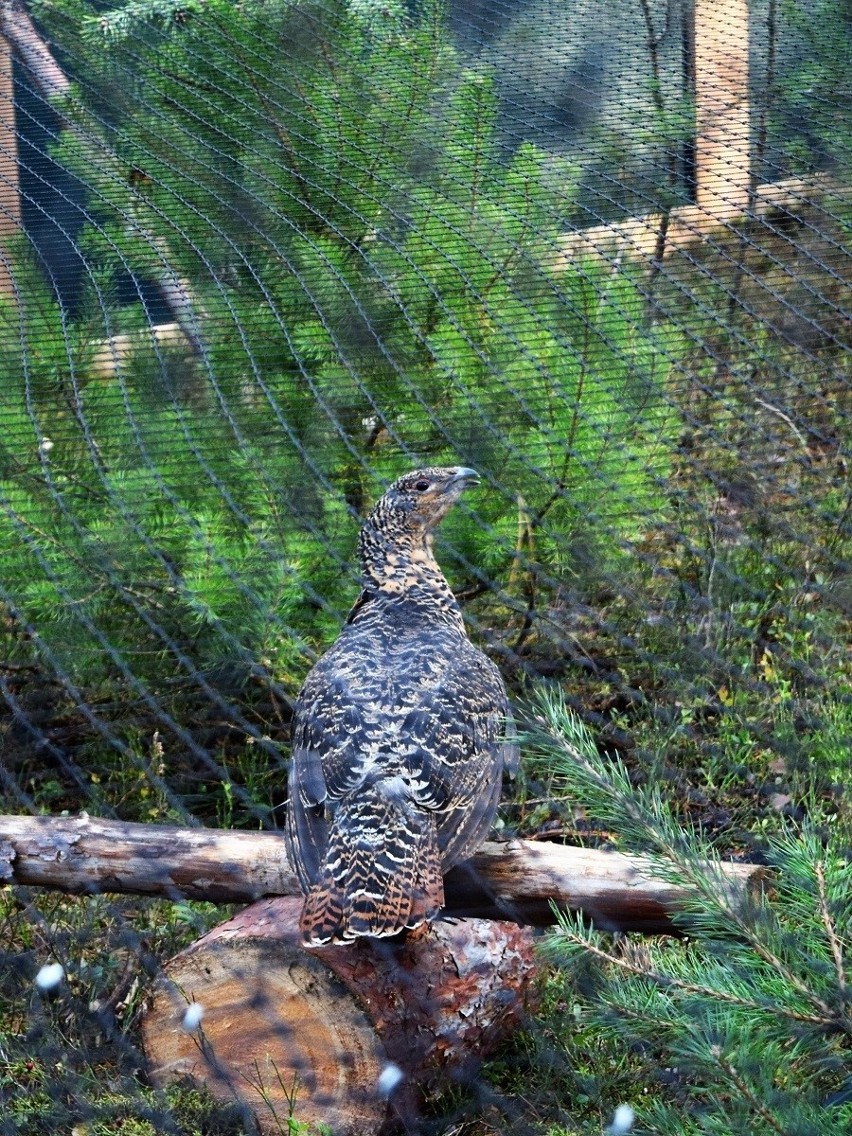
(830, 929)
(666, 981)
(754, 1100)
(640, 815)
(643, 820)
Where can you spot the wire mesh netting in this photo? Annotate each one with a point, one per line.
(260, 259)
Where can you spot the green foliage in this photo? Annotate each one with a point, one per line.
(67, 1064)
(744, 1025)
(806, 103)
(371, 279)
(365, 294)
(118, 547)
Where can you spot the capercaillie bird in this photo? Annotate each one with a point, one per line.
(401, 733)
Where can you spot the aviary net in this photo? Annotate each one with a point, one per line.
(259, 259)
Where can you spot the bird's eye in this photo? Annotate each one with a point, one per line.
(421, 486)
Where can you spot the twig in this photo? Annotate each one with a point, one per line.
(747, 1091)
(786, 418)
(831, 931)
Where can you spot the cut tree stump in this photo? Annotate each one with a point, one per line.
(319, 1031)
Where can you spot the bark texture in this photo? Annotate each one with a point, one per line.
(315, 1031)
(517, 880)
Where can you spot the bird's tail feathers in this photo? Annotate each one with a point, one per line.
(382, 872)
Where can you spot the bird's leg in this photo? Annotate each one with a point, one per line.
(417, 934)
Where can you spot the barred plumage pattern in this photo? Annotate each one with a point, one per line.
(401, 734)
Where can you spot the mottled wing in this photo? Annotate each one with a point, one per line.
(455, 750)
(326, 734)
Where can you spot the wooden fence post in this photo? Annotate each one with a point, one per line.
(723, 135)
(10, 198)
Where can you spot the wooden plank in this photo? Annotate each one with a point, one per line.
(10, 197)
(638, 237)
(722, 114)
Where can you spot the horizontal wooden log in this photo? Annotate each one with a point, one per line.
(517, 880)
(88, 854)
(330, 1035)
(523, 880)
(640, 237)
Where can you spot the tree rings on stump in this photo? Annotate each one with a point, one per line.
(315, 1033)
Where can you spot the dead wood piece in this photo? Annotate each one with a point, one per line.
(524, 879)
(282, 1024)
(10, 195)
(518, 880)
(86, 854)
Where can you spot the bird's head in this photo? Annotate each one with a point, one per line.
(418, 501)
(395, 540)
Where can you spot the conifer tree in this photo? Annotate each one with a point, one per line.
(366, 282)
(744, 1024)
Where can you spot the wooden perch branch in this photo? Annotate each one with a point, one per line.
(116, 351)
(86, 854)
(517, 880)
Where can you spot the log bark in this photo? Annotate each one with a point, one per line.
(517, 880)
(310, 1033)
(115, 352)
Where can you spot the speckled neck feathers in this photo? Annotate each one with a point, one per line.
(398, 563)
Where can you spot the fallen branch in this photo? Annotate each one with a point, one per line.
(116, 352)
(517, 880)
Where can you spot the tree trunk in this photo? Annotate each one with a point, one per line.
(518, 880)
(34, 53)
(328, 1035)
(54, 85)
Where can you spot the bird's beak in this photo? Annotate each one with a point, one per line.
(464, 477)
